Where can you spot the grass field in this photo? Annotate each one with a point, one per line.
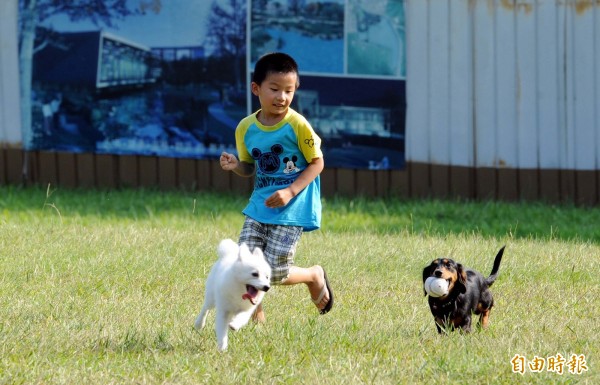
(104, 287)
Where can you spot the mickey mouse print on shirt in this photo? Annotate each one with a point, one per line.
(268, 162)
(290, 165)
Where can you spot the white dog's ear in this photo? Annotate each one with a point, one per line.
(257, 253)
(243, 250)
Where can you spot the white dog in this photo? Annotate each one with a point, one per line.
(235, 285)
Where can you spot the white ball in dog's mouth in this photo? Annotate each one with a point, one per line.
(436, 287)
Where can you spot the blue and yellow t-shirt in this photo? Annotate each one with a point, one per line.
(280, 153)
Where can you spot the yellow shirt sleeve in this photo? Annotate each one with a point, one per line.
(240, 144)
(308, 141)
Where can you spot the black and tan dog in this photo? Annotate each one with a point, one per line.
(468, 293)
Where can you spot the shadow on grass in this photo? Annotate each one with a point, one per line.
(128, 203)
(381, 216)
(486, 218)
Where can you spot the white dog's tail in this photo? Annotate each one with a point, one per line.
(226, 247)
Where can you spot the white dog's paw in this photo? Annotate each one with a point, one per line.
(240, 320)
(200, 321)
(236, 323)
(222, 346)
(235, 326)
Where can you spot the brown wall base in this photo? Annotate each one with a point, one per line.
(418, 180)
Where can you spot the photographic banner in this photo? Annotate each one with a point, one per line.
(171, 78)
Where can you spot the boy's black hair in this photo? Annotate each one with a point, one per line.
(274, 62)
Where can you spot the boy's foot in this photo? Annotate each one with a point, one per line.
(324, 300)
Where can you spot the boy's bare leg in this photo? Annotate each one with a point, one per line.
(313, 277)
(259, 314)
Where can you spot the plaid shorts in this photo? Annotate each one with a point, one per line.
(277, 242)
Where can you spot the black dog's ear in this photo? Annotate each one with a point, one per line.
(426, 274)
(461, 283)
(427, 271)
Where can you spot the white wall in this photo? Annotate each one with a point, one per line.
(494, 84)
(10, 120)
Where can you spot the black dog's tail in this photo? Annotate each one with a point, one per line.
(494, 274)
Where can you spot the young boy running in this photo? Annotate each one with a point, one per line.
(279, 147)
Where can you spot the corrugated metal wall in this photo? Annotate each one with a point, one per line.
(504, 83)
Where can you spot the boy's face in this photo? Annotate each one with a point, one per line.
(276, 93)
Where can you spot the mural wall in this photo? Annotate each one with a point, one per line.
(170, 78)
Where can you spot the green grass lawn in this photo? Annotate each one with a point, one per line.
(103, 288)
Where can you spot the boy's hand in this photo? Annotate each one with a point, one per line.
(279, 198)
(228, 161)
